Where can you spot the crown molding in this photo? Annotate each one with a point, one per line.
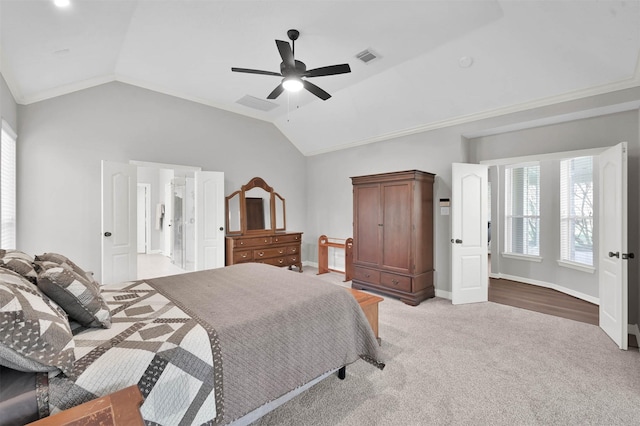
(463, 119)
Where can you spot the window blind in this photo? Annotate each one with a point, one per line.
(576, 210)
(522, 209)
(7, 191)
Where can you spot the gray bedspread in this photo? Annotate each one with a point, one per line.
(277, 329)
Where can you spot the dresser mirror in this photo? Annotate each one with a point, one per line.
(255, 209)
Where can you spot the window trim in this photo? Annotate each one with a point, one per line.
(583, 267)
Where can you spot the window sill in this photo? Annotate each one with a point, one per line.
(528, 257)
(577, 266)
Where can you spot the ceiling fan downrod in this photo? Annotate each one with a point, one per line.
(293, 36)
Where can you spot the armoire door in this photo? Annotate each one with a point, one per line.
(367, 229)
(396, 225)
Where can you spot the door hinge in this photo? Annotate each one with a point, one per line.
(628, 255)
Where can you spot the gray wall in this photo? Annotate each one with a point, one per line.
(8, 107)
(594, 132)
(330, 202)
(330, 209)
(63, 140)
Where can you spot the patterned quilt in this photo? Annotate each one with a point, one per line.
(173, 357)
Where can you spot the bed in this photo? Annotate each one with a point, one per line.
(219, 346)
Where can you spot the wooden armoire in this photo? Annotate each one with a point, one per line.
(393, 234)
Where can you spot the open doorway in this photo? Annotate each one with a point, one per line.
(168, 228)
(120, 217)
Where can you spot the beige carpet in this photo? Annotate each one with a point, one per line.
(476, 364)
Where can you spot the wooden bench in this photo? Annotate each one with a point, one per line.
(369, 304)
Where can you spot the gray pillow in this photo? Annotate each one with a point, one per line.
(34, 331)
(19, 262)
(80, 298)
(65, 262)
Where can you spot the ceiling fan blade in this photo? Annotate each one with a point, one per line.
(276, 92)
(330, 70)
(250, 71)
(286, 53)
(316, 90)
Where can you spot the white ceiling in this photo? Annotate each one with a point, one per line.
(525, 53)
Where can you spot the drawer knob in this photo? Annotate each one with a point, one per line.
(293, 259)
(261, 254)
(281, 251)
(293, 250)
(244, 255)
(241, 243)
(367, 275)
(281, 261)
(266, 241)
(277, 239)
(395, 282)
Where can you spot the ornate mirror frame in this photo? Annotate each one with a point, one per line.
(237, 220)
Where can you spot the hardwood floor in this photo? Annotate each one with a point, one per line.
(541, 299)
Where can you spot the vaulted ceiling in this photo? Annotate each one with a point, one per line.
(438, 62)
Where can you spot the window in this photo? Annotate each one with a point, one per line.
(522, 209)
(576, 210)
(7, 188)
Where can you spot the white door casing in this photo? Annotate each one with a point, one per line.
(167, 225)
(119, 235)
(613, 243)
(469, 269)
(209, 220)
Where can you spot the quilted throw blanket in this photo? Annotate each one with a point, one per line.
(173, 357)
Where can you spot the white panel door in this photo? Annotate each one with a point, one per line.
(209, 218)
(469, 269)
(613, 243)
(119, 236)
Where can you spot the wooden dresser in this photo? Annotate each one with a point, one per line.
(393, 234)
(280, 249)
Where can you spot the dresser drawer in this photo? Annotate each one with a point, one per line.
(287, 238)
(293, 249)
(293, 260)
(252, 242)
(367, 275)
(266, 253)
(242, 256)
(277, 261)
(396, 282)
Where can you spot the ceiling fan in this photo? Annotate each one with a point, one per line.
(295, 72)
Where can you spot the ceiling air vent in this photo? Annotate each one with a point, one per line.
(367, 56)
(256, 103)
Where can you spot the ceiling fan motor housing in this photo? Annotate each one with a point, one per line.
(293, 34)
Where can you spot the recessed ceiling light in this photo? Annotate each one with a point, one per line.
(62, 3)
(465, 61)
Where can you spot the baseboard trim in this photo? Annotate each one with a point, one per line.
(443, 294)
(309, 263)
(570, 292)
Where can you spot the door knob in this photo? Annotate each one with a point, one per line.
(107, 234)
(616, 254)
(456, 241)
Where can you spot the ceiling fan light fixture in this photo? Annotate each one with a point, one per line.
(292, 84)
